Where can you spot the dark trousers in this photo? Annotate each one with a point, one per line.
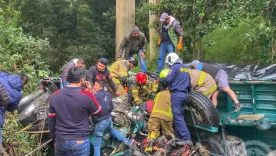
(178, 101)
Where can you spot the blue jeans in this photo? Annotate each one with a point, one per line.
(143, 64)
(100, 127)
(72, 148)
(178, 101)
(163, 51)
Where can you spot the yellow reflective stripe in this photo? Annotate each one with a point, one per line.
(184, 70)
(201, 78)
(115, 80)
(163, 112)
(169, 113)
(123, 74)
(210, 90)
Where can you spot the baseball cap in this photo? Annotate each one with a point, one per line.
(103, 61)
(163, 17)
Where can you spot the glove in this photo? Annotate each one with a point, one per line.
(179, 47)
(159, 41)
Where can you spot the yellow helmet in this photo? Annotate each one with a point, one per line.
(164, 73)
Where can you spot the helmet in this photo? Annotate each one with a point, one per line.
(134, 61)
(172, 58)
(164, 73)
(141, 78)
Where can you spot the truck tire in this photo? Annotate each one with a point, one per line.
(26, 100)
(235, 146)
(28, 115)
(205, 111)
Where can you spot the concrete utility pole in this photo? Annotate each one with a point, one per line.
(125, 20)
(152, 32)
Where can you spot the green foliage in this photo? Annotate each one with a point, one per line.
(21, 53)
(21, 142)
(79, 28)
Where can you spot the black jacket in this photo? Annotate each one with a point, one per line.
(94, 74)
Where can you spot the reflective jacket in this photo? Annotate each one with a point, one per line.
(119, 71)
(162, 106)
(142, 93)
(178, 79)
(202, 82)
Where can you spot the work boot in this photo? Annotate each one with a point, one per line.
(238, 107)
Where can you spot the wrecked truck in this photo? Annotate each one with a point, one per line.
(219, 130)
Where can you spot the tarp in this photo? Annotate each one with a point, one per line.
(247, 72)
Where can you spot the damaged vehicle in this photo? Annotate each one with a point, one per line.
(214, 131)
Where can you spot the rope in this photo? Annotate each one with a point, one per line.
(39, 148)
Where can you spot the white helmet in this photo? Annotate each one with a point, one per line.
(172, 58)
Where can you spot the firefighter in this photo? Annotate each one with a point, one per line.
(143, 89)
(221, 79)
(161, 118)
(119, 72)
(201, 81)
(178, 80)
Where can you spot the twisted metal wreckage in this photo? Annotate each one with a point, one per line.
(206, 123)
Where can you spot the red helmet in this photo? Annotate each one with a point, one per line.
(141, 78)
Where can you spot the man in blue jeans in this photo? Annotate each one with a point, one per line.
(103, 120)
(170, 38)
(68, 117)
(134, 42)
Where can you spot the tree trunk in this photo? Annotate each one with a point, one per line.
(125, 20)
(152, 32)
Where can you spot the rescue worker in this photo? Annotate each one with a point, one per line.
(65, 70)
(170, 38)
(201, 81)
(101, 73)
(134, 42)
(221, 79)
(143, 89)
(119, 72)
(178, 80)
(161, 118)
